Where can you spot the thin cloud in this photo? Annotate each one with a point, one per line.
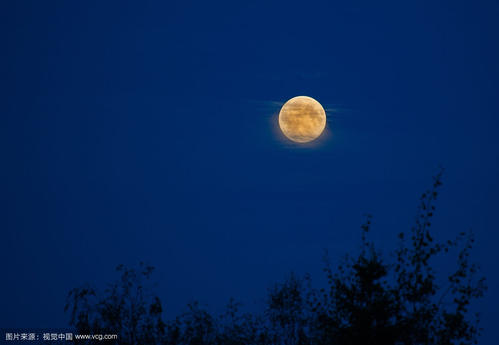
(271, 107)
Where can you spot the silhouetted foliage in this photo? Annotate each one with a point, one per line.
(396, 298)
(289, 313)
(126, 308)
(372, 301)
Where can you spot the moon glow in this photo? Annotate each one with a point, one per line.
(302, 119)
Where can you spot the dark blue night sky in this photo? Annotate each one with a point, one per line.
(146, 131)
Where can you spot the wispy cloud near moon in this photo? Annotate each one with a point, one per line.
(270, 109)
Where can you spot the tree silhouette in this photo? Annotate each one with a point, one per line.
(396, 298)
(127, 308)
(371, 301)
(289, 312)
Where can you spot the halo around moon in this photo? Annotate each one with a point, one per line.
(302, 119)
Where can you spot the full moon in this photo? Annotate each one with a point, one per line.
(302, 119)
